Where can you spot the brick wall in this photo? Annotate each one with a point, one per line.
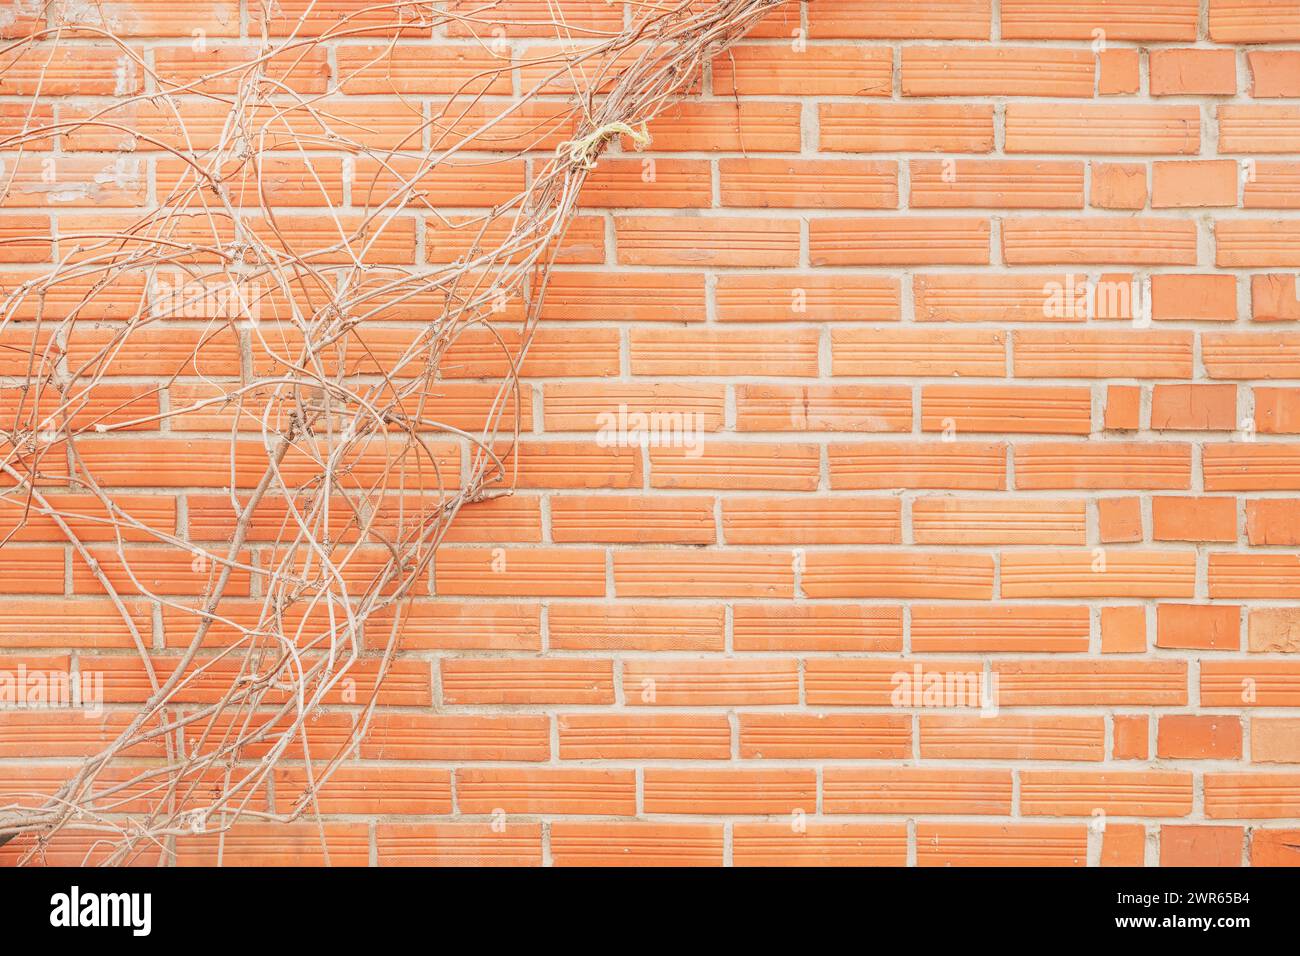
(978, 543)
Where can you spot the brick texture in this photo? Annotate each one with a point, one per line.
(985, 551)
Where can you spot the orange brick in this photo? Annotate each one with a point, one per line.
(703, 574)
(1123, 630)
(1182, 72)
(1275, 739)
(1191, 183)
(1256, 683)
(1120, 519)
(1251, 795)
(881, 465)
(1088, 465)
(517, 572)
(733, 466)
(1119, 72)
(817, 184)
(1077, 19)
(852, 500)
(644, 737)
(1179, 518)
(636, 844)
(590, 519)
(825, 736)
(865, 682)
(524, 737)
(1123, 844)
(1091, 683)
(1194, 298)
(824, 627)
(1147, 241)
(916, 791)
(902, 575)
(1102, 128)
(1273, 298)
(411, 70)
(801, 521)
(1273, 521)
(999, 628)
(949, 520)
(1254, 576)
(1246, 21)
(812, 297)
(1001, 844)
(1272, 185)
(1251, 355)
(889, 128)
(1273, 629)
(1013, 738)
(906, 352)
(1202, 626)
(533, 791)
(758, 127)
(1193, 737)
(527, 681)
(1131, 737)
(997, 297)
(1102, 354)
(1123, 407)
(1277, 410)
(723, 241)
(858, 408)
(898, 241)
(277, 844)
(1201, 845)
(975, 408)
(819, 844)
(30, 69)
(1270, 847)
(459, 844)
(1119, 186)
(832, 70)
(996, 71)
(624, 296)
(1197, 407)
(1258, 129)
(695, 627)
(1256, 243)
(903, 19)
(1123, 793)
(979, 184)
(710, 683)
(1274, 73)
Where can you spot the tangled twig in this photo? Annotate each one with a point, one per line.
(340, 461)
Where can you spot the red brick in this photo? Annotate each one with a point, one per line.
(1119, 72)
(1194, 183)
(1182, 72)
(1119, 186)
(1274, 73)
(1131, 737)
(1201, 845)
(1193, 737)
(1181, 518)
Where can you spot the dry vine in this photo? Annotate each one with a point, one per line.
(349, 457)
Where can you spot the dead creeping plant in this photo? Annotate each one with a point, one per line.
(340, 467)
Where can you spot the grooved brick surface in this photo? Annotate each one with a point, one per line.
(967, 530)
